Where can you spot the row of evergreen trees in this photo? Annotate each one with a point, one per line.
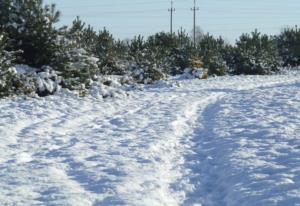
(79, 53)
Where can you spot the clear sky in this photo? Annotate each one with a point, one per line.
(228, 18)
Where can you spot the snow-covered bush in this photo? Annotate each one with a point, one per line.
(192, 73)
(78, 68)
(22, 79)
(147, 74)
(28, 80)
(110, 87)
(46, 81)
(256, 54)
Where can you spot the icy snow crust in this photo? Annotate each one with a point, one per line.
(221, 141)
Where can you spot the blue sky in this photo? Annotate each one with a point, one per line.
(228, 18)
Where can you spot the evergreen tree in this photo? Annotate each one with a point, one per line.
(74, 60)
(172, 53)
(30, 27)
(256, 54)
(289, 46)
(81, 36)
(75, 33)
(228, 54)
(158, 50)
(121, 49)
(182, 55)
(137, 50)
(7, 72)
(142, 65)
(106, 51)
(210, 49)
(78, 69)
(161, 45)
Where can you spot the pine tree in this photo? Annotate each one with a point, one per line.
(105, 49)
(289, 46)
(182, 55)
(81, 36)
(256, 54)
(143, 66)
(210, 49)
(78, 69)
(30, 27)
(7, 72)
(137, 50)
(74, 60)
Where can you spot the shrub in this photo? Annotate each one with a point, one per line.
(147, 74)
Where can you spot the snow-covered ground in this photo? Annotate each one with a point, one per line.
(217, 142)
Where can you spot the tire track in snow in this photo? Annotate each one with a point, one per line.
(203, 163)
(132, 152)
(160, 183)
(62, 148)
(41, 143)
(240, 151)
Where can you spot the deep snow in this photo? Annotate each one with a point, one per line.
(221, 141)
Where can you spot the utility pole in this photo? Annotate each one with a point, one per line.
(171, 17)
(181, 36)
(194, 9)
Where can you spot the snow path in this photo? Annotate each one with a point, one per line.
(224, 141)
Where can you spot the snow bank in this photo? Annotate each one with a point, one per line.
(192, 73)
(44, 81)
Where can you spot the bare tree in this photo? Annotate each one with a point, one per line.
(199, 33)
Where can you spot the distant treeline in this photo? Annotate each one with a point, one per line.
(78, 53)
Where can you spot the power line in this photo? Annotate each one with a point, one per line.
(112, 5)
(124, 12)
(244, 14)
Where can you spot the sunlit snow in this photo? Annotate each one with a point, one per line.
(222, 141)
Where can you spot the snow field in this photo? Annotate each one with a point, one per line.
(221, 141)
